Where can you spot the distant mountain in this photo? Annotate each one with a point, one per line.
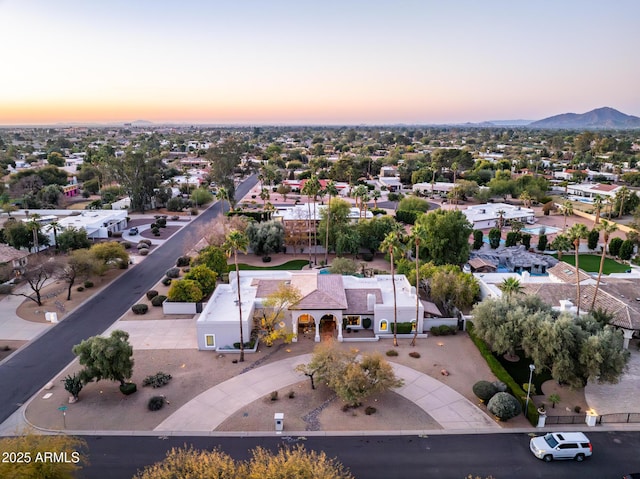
(598, 119)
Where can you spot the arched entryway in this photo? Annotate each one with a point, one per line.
(306, 325)
(328, 327)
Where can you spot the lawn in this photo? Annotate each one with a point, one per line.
(591, 263)
(289, 265)
(519, 371)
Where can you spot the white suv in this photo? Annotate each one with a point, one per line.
(561, 445)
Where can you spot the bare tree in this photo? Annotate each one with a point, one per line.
(36, 274)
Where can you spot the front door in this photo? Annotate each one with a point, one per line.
(327, 327)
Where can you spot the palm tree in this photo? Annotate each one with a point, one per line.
(567, 210)
(223, 195)
(607, 229)
(621, 196)
(34, 226)
(376, 195)
(418, 232)
(576, 233)
(310, 189)
(597, 206)
(510, 286)
(561, 244)
(332, 191)
(500, 214)
(55, 226)
(392, 245)
(234, 242)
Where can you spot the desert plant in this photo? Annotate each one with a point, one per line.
(392, 352)
(143, 252)
(152, 293)
(73, 385)
(369, 410)
(80, 289)
(157, 380)
(554, 399)
(155, 231)
(484, 390)
(128, 388)
(88, 284)
(142, 245)
(139, 308)
(414, 354)
(500, 386)
(274, 396)
(155, 403)
(145, 241)
(291, 394)
(173, 273)
(532, 391)
(577, 409)
(158, 300)
(504, 406)
(166, 281)
(183, 261)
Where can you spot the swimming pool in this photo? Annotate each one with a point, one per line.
(549, 230)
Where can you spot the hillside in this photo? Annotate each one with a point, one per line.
(600, 118)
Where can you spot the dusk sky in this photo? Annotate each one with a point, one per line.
(304, 62)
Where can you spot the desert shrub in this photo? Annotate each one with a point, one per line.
(443, 330)
(161, 222)
(186, 270)
(73, 385)
(88, 284)
(145, 241)
(205, 278)
(266, 259)
(173, 273)
(80, 289)
(143, 252)
(155, 403)
(500, 386)
(175, 218)
(366, 323)
(577, 409)
(291, 394)
(155, 231)
(392, 352)
(194, 211)
(175, 204)
(274, 396)
(139, 308)
(369, 410)
(166, 281)
(157, 380)
(158, 300)
(414, 354)
(185, 291)
(152, 293)
(153, 225)
(126, 244)
(142, 245)
(403, 328)
(484, 390)
(504, 406)
(128, 388)
(183, 261)
(367, 256)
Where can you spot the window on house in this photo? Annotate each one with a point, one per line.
(384, 325)
(210, 340)
(353, 320)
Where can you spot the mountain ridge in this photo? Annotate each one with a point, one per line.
(597, 119)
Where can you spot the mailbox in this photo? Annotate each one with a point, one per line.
(279, 420)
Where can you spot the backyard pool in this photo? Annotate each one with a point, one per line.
(549, 230)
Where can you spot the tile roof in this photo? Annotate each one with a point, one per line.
(319, 291)
(357, 300)
(566, 273)
(9, 253)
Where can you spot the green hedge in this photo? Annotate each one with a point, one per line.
(502, 374)
(259, 216)
(403, 328)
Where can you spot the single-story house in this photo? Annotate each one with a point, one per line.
(488, 215)
(329, 303)
(14, 258)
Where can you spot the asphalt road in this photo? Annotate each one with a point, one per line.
(503, 456)
(43, 358)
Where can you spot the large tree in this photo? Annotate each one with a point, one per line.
(575, 234)
(37, 274)
(393, 247)
(80, 265)
(139, 176)
(607, 229)
(224, 159)
(446, 236)
(108, 358)
(266, 237)
(236, 242)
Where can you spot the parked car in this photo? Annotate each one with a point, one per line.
(133, 231)
(561, 445)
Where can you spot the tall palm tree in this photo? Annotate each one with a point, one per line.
(223, 195)
(418, 232)
(55, 226)
(34, 226)
(567, 210)
(234, 242)
(597, 206)
(310, 189)
(576, 233)
(392, 245)
(510, 286)
(607, 229)
(332, 191)
(376, 195)
(621, 196)
(264, 196)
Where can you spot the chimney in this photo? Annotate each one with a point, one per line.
(371, 302)
(565, 305)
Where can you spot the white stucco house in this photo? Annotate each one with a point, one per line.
(328, 302)
(487, 215)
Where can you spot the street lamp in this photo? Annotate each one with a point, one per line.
(532, 368)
